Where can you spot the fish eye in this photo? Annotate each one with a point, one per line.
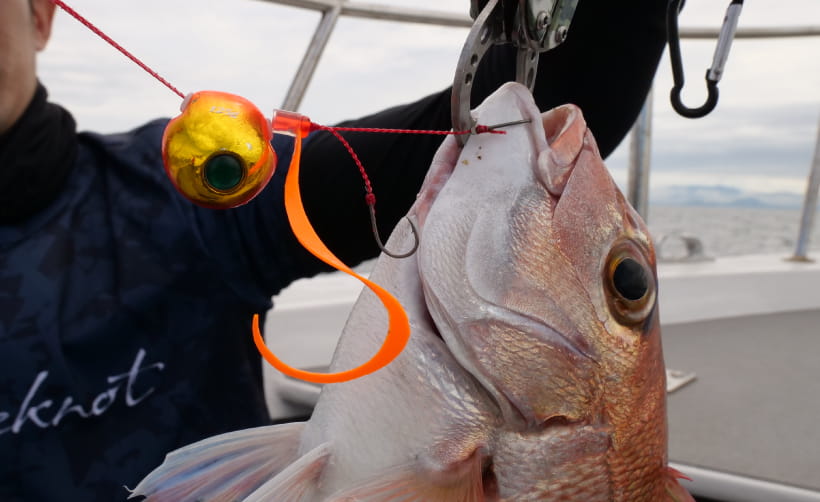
(629, 279)
(629, 283)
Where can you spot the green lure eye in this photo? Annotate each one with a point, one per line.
(223, 172)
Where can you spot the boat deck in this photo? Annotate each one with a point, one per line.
(754, 406)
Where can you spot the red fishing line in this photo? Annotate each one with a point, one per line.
(88, 24)
(370, 198)
(479, 129)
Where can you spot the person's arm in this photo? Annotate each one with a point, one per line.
(605, 66)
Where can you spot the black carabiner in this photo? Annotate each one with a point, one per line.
(714, 73)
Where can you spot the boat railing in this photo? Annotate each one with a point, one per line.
(641, 136)
(640, 146)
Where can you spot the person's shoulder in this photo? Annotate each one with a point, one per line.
(148, 134)
(137, 151)
(129, 162)
(151, 130)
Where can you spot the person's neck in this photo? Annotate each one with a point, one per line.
(15, 105)
(36, 155)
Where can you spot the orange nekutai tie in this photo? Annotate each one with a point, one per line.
(398, 332)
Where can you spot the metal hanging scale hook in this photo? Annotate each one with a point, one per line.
(714, 73)
(533, 26)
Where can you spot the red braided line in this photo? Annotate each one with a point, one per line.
(99, 33)
(370, 198)
(479, 129)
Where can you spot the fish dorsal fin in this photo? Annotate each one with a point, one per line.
(409, 484)
(227, 467)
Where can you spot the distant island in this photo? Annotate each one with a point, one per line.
(723, 196)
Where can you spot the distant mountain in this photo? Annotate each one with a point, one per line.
(723, 196)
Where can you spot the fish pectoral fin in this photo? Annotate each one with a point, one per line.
(225, 467)
(410, 484)
(674, 490)
(296, 480)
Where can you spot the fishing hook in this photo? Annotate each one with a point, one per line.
(371, 201)
(372, 209)
(714, 73)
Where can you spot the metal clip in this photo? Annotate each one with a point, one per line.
(714, 73)
(542, 25)
(533, 26)
(481, 36)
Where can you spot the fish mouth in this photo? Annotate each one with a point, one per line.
(565, 132)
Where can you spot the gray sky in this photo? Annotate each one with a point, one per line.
(760, 138)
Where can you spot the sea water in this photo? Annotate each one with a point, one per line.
(731, 231)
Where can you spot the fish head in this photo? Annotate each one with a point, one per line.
(541, 279)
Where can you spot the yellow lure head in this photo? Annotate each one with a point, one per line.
(217, 152)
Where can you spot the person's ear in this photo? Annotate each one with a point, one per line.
(43, 14)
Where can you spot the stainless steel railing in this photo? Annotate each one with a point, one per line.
(809, 205)
(331, 11)
(641, 136)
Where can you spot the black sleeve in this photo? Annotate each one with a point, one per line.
(605, 66)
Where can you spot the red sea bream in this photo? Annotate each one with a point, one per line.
(534, 370)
